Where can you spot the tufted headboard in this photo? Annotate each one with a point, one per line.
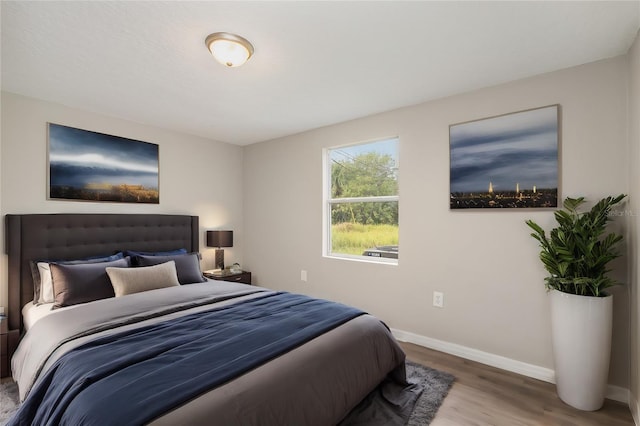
(74, 236)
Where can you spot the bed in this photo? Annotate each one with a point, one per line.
(292, 369)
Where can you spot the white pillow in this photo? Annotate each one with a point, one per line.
(46, 283)
(134, 280)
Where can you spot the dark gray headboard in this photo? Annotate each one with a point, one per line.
(73, 236)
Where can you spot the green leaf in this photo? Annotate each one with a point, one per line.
(576, 252)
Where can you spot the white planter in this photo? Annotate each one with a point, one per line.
(581, 332)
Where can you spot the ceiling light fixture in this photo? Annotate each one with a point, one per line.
(229, 49)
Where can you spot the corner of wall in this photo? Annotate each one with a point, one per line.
(4, 296)
(634, 246)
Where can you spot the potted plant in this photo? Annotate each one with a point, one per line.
(576, 254)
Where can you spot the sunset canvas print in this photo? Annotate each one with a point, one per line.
(510, 161)
(91, 166)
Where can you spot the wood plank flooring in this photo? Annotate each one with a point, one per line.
(488, 396)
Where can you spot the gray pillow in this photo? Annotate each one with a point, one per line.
(41, 275)
(134, 280)
(187, 265)
(73, 284)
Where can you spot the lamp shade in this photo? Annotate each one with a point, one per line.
(219, 238)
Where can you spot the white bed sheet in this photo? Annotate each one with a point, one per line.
(32, 313)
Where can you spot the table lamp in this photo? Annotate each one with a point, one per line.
(219, 239)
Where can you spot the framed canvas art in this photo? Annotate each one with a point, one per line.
(509, 161)
(91, 166)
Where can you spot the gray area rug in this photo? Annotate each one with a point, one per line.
(435, 385)
(431, 387)
(394, 403)
(8, 400)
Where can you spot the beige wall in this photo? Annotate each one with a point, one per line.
(634, 231)
(197, 176)
(485, 262)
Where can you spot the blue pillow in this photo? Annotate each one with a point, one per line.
(187, 265)
(111, 258)
(156, 253)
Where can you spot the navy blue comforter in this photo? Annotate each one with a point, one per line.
(133, 377)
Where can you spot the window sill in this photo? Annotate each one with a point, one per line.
(363, 259)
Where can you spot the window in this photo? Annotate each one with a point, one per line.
(361, 201)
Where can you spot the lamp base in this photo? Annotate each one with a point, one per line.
(219, 259)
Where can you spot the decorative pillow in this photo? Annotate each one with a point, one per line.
(41, 275)
(81, 283)
(156, 253)
(134, 280)
(187, 265)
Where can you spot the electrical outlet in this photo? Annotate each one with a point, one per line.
(303, 276)
(438, 299)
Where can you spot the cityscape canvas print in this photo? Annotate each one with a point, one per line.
(91, 166)
(510, 161)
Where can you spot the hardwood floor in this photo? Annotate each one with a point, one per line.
(488, 396)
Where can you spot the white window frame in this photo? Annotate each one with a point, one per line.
(328, 201)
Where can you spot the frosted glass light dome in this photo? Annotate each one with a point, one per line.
(229, 49)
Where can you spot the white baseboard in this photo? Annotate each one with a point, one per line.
(619, 394)
(615, 393)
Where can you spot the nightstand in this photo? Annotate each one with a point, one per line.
(8, 344)
(243, 277)
(4, 346)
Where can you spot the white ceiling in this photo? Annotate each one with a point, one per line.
(315, 63)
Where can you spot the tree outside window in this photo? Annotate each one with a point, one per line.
(362, 200)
